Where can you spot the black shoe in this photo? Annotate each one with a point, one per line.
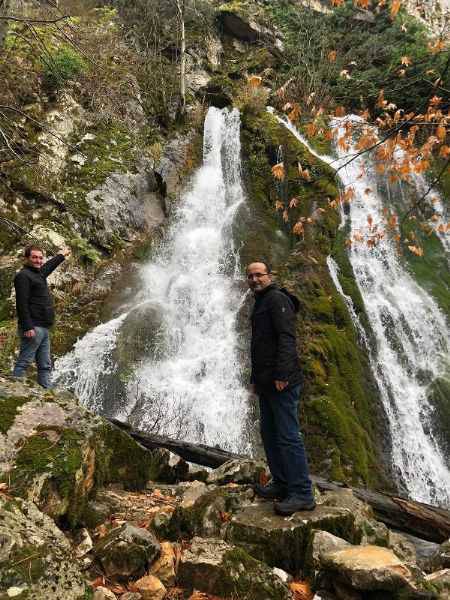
(293, 504)
(271, 491)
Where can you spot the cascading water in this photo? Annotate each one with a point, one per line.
(411, 336)
(189, 383)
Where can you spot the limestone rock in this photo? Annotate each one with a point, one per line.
(237, 471)
(440, 582)
(402, 547)
(164, 567)
(206, 513)
(127, 551)
(283, 541)
(56, 453)
(441, 558)
(150, 588)
(369, 568)
(35, 556)
(214, 567)
(102, 593)
(131, 596)
(169, 467)
(322, 543)
(123, 205)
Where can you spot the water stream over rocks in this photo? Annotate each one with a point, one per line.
(170, 363)
(411, 333)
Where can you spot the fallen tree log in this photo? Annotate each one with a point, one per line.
(417, 518)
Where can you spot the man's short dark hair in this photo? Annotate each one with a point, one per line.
(29, 249)
(263, 262)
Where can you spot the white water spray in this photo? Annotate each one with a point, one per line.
(190, 383)
(411, 336)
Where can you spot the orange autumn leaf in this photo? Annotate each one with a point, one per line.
(311, 129)
(348, 195)
(395, 7)
(254, 81)
(444, 152)
(437, 46)
(362, 3)
(279, 205)
(337, 3)
(294, 114)
(441, 132)
(416, 250)
(405, 60)
(368, 191)
(370, 220)
(332, 55)
(348, 243)
(285, 215)
(301, 590)
(278, 171)
(298, 228)
(380, 100)
(293, 203)
(340, 111)
(263, 478)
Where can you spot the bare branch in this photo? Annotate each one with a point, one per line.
(34, 21)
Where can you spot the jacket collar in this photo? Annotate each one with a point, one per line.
(268, 288)
(33, 269)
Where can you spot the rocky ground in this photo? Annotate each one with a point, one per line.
(85, 512)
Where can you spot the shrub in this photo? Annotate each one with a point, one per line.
(65, 64)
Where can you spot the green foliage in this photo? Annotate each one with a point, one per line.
(84, 250)
(64, 64)
(370, 52)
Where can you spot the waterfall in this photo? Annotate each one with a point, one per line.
(411, 335)
(189, 381)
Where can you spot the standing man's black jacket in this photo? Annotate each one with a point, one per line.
(33, 301)
(273, 350)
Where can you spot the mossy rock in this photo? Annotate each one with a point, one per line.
(342, 417)
(281, 542)
(214, 567)
(56, 453)
(36, 557)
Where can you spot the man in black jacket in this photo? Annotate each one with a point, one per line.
(276, 379)
(35, 313)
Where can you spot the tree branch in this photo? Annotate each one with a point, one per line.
(34, 21)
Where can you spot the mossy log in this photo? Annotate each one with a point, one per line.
(417, 518)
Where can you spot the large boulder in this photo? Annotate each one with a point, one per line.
(127, 551)
(283, 541)
(36, 560)
(369, 568)
(214, 567)
(56, 453)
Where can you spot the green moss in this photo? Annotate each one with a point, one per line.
(60, 462)
(9, 408)
(123, 460)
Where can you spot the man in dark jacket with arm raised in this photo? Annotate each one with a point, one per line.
(35, 313)
(276, 378)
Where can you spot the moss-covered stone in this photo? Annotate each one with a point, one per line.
(57, 454)
(282, 542)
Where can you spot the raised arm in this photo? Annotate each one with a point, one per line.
(51, 264)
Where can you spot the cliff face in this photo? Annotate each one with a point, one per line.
(104, 153)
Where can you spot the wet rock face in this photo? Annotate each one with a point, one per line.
(35, 557)
(127, 551)
(213, 566)
(56, 453)
(282, 542)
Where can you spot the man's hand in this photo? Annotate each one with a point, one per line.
(30, 333)
(66, 252)
(280, 385)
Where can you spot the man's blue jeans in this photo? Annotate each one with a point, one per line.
(283, 441)
(35, 348)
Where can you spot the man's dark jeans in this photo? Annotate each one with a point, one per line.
(283, 441)
(35, 348)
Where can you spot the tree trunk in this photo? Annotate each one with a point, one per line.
(4, 8)
(422, 520)
(181, 13)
